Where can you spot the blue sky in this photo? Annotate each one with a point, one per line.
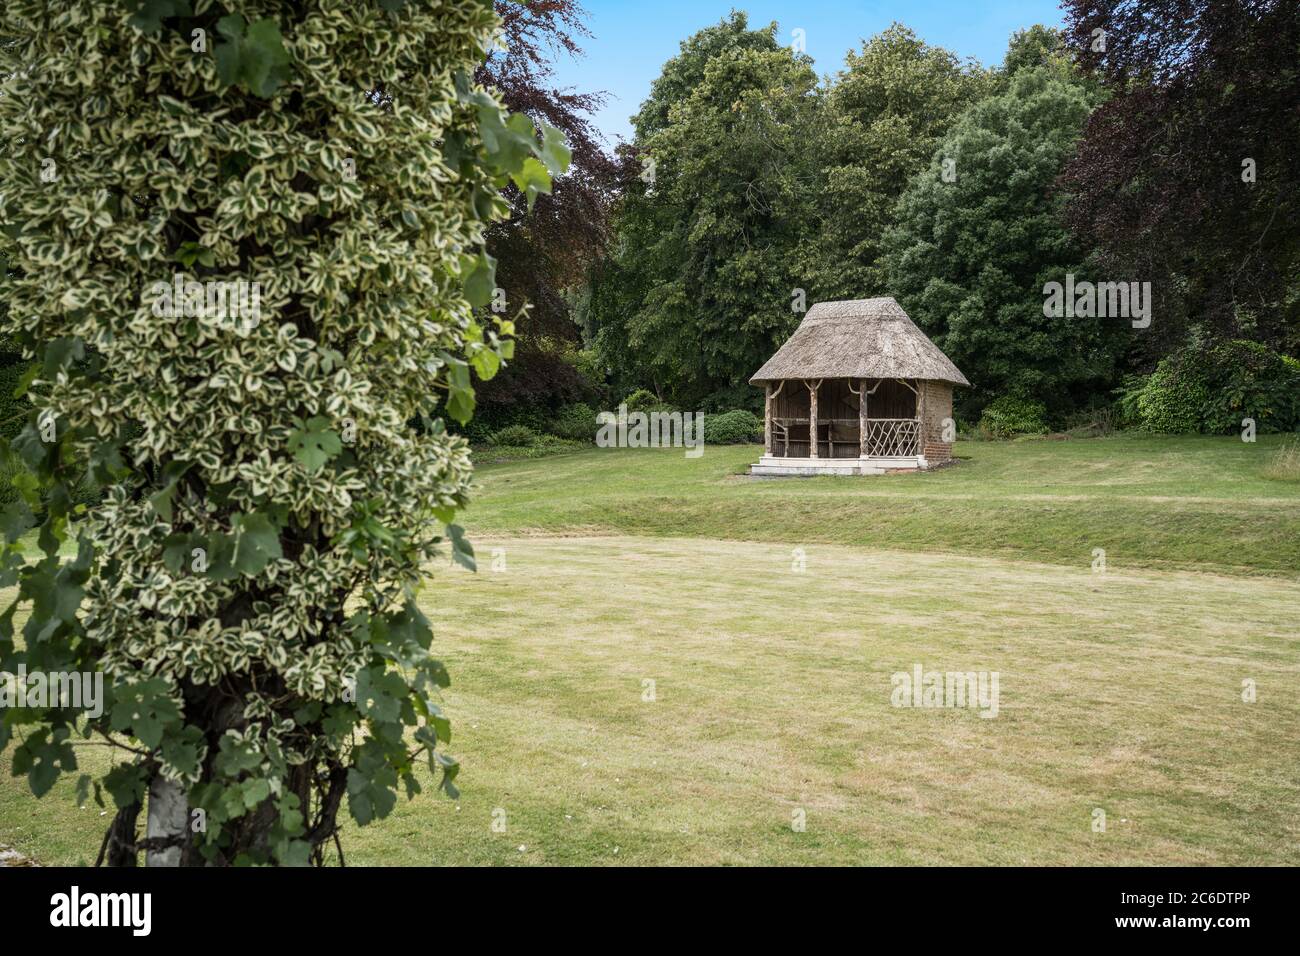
(631, 40)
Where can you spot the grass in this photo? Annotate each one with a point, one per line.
(1152, 502)
(545, 448)
(1285, 465)
(1120, 690)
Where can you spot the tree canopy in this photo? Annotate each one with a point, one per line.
(1186, 176)
(884, 113)
(542, 254)
(972, 250)
(709, 236)
(1146, 142)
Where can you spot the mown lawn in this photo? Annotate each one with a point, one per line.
(1150, 502)
(1120, 691)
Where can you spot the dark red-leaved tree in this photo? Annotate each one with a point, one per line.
(543, 255)
(1187, 176)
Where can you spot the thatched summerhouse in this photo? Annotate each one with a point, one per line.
(857, 390)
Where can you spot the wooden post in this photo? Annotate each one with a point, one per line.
(862, 419)
(812, 419)
(922, 421)
(767, 421)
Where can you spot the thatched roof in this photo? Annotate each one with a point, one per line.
(858, 338)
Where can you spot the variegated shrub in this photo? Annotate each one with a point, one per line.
(275, 477)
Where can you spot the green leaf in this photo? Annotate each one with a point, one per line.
(450, 768)
(380, 694)
(178, 549)
(441, 727)
(266, 61)
(183, 750)
(39, 456)
(371, 797)
(291, 819)
(61, 353)
(236, 756)
(106, 465)
(149, 14)
(296, 852)
(308, 713)
(145, 710)
(221, 556)
(162, 498)
(480, 274)
(460, 392)
(314, 443)
(409, 625)
(434, 671)
(462, 552)
(252, 56)
(532, 179)
(125, 782)
(339, 721)
(486, 362)
(256, 543)
(16, 520)
(162, 501)
(191, 252)
(555, 151)
(28, 377)
(65, 597)
(507, 142)
(255, 791)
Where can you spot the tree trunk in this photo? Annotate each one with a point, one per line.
(119, 842)
(168, 821)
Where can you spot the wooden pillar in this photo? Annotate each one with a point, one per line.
(862, 418)
(767, 421)
(812, 419)
(922, 416)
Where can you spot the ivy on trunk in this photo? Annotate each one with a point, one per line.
(237, 251)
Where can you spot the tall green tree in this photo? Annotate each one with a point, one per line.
(1036, 46)
(885, 112)
(980, 233)
(705, 264)
(684, 72)
(247, 582)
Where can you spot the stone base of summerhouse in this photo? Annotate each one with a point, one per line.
(771, 466)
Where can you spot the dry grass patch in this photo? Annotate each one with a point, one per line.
(1120, 691)
(772, 695)
(1285, 464)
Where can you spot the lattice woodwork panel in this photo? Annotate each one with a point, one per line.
(893, 437)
